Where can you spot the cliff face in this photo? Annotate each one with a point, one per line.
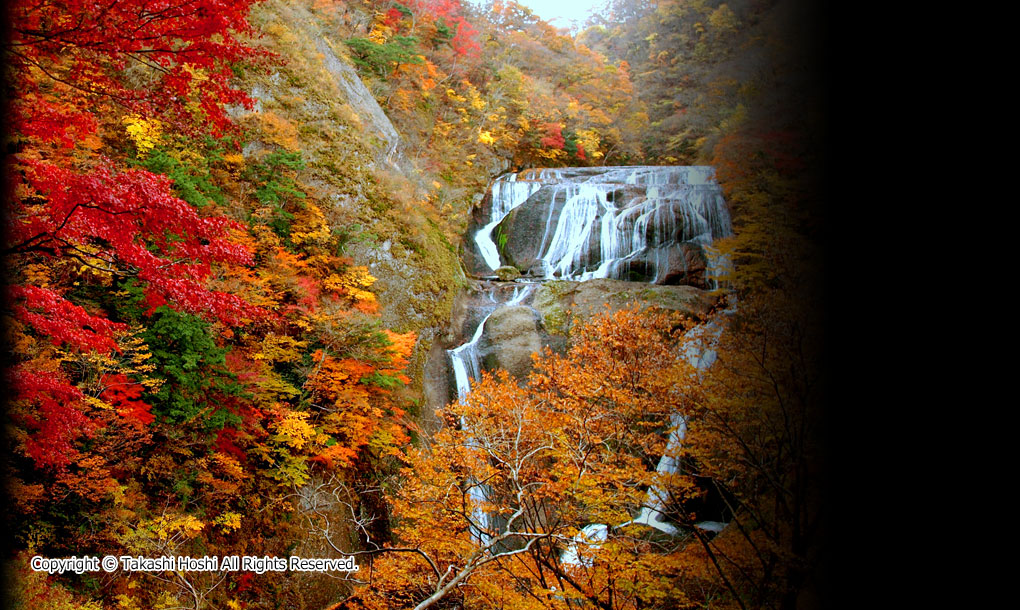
(313, 101)
(648, 224)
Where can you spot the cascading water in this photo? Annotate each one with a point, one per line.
(600, 222)
(600, 233)
(507, 193)
(652, 511)
(465, 362)
(464, 359)
(701, 354)
(467, 367)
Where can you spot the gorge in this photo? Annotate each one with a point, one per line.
(430, 285)
(600, 225)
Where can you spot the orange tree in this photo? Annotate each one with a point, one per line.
(531, 496)
(501, 508)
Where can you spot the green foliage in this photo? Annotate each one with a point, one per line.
(444, 33)
(186, 355)
(570, 142)
(382, 380)
(383, 58)
(192, 179)
(276, 187)
(405, 11)
(184, 486)
(126, 301)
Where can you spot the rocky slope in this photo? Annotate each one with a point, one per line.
(313, 101)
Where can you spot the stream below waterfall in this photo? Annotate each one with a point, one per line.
(648, 224)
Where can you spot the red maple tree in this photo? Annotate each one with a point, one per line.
(74, 66)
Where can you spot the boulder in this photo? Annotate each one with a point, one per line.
(686, 265)
(512, 334)
(560, 302)
(507, 273)
(519, 237)
(672, 264)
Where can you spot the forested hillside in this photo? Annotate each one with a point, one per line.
(234, 242)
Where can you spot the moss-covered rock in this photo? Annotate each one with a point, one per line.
(560, 302)
(512, 334)
(508, 273)
(551, 301)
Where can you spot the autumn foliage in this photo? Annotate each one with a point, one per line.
(184, 51)
(198, 364)
(496, 499)
(536, 495)
(188, 343)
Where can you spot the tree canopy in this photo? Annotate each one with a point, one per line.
(212, 350)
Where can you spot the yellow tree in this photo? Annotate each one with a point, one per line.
(530, 496)
(554, 493)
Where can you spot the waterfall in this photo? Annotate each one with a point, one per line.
(652, 513)
(591, 536)
(465, 362)
(699, 352)
(466, 368)
(601, 222)
(464, 359)
(598, 234)
(507, 194)
(572, 234)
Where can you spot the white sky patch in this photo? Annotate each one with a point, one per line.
(560, 13)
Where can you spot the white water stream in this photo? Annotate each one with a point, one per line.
(467, 367)
(507, 194)
(680, 204)
(700, 353)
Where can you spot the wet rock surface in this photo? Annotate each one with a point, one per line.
(642, 224)
(562, 303)
(512, 334)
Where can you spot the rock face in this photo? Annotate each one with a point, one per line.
(559, 303)
(519, 235)
(352, 155)
(512, 334)
(644, 224)
(362, 100)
